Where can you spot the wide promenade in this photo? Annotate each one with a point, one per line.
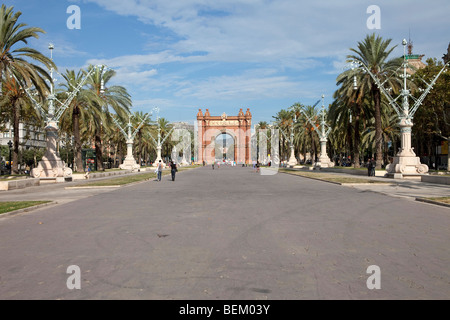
(224, 234)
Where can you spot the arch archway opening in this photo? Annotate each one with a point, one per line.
(225, 147)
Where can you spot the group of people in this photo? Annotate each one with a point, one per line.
(160, 166)
(371, 164)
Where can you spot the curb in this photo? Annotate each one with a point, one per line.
(345, 184)
(121, 185)
(433, 202)
(93, 187)
(38, 206)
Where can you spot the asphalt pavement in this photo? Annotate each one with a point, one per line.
(225, 234)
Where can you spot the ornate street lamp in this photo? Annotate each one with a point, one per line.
(159, 143)
(323, 132)
(130, 162)
(51, 165)
(324, 160)
(292, 160)
(405, 163)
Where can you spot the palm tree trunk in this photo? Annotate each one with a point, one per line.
(98, 151)
(357, 136)
(350, 143)
(139, 150)
(77, 139)
(378, 132)
(313, 149)
(15, 154)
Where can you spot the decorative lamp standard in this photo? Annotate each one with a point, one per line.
(130, 162)
(292, 160)
(323, 132)
(10, 144)
(51, 165)
(324, 160)
(158, 142)
(405, 163)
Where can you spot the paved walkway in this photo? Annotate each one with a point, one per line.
(225, 234)
(410, 189)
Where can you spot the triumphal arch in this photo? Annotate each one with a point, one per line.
(238, 128)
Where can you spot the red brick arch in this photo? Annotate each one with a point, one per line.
(209, 127)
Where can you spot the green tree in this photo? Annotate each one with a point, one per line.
(373, 52)
(349, 111)
(432, 119)
(16, 69)
(78, 109)
(138, 117)
(113, 98)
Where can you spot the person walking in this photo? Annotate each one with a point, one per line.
(87, 170)
(159, 170)
(373, 164)
(173, 169)
(371, 167)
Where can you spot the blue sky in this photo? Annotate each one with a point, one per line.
(182, 55)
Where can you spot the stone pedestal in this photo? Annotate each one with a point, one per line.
(129, 163)
(324, 160)
(51, 165)
(405, 164)
(158, 156)
(292, 160)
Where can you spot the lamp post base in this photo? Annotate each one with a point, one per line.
(129, 164)
(292, 160)
(324, 162)
(406, 167)
(51, 166)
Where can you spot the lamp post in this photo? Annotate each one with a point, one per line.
(405, 164)
(323, 132)
(130, 162)
(51, 165)
(292, 160)
(10, 144)
(158, 142)
(324, 160)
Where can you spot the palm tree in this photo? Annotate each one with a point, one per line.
(114, 97)
(373, 52)
(390, 132)
(350, 109)
(137, 119)
(79, 106)
(167, 146)
(13, 64)
(284, 120)
(310, 131)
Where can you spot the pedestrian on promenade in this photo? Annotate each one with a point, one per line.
(87, 170)
(257, 166)
(159, 169)
(373, 164)
(371, 167)
(173, 169)
(213, 165)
